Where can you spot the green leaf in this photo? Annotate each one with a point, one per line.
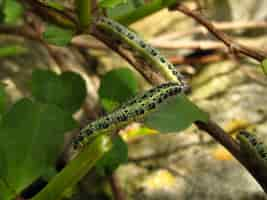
(12, 50)
(136, 10)
(264, 66)
(57, 35)
(124, 9)
(117, 155)
(3, 100)
(111, 3)
(31, 136)
(67, 90)
(175, 115)
(116, 87)
(13, 11)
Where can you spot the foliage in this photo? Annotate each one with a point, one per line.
(179, 112)
(117, 155)
(67, 90)
(32, 132)
(26, 132)
(12, 11)
(116, 87)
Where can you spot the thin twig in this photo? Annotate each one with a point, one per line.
(218, 25)
(227, 40)
(203, 59)
(200, 44)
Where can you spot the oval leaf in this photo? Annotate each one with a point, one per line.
(67, 90)
(175, 115)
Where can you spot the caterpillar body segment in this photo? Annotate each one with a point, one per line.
(151, 55)
(133, 111)
(150, 93)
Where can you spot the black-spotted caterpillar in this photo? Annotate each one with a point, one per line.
(131, 111)
(252, 148)
(149, 54)
(137, 107)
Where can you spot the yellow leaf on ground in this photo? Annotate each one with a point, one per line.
(221, 153)
(161, 179)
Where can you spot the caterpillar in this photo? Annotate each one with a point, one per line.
(250, 144)
(139, 106)
(133, 110)
(151, 55)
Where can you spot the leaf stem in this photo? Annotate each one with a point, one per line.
(83, 10)
(76, 169)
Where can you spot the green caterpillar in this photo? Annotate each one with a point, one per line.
(133, 110)
(151, 55)
(251, 146)
(137, 107)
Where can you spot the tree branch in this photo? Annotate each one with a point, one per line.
(227, 40)
(233, 25)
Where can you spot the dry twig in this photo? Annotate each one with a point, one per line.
(227, 40)
(218, 25)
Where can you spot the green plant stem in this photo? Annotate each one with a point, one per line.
(76, 169)
(145, 10)
(83, 10)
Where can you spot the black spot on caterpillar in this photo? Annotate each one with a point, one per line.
(132, 110)
(147, 52)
